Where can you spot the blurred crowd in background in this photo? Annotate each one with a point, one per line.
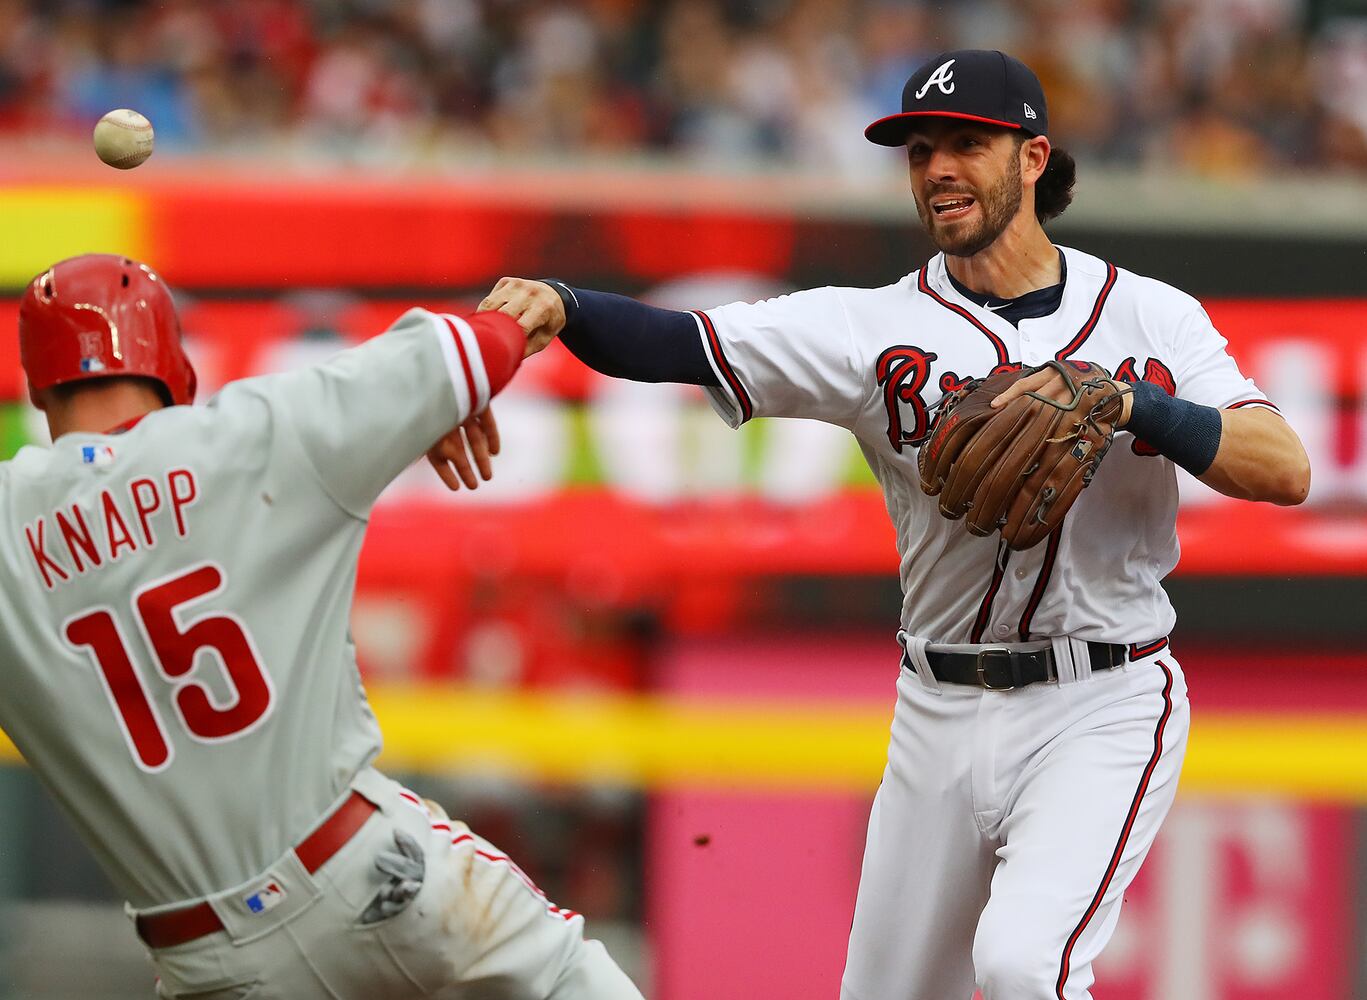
(1219, 87)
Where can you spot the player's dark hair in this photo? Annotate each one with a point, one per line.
(1054, 189)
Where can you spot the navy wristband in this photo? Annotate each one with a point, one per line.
(1186, 432)
(567, 296)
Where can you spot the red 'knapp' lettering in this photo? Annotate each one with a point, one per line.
(128, 522)
(77, 538)
(115, 528)
(146, 501)
(180, 483)
(42, 559)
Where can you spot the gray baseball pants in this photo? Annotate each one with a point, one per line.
(477, 929)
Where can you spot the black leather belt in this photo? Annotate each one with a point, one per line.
(997, 668)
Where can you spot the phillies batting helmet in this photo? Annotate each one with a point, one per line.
(101, 315)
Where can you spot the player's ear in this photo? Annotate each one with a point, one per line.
(1034, 157)
(38, 398)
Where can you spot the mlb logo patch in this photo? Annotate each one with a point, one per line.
(98, 455)
(92, 365)
(271, 895)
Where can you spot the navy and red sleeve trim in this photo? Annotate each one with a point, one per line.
(728, 373)
(1253, 402)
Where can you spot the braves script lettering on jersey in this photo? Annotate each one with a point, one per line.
(1051, 795)
(178, 671)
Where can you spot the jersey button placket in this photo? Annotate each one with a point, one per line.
(1029, 355)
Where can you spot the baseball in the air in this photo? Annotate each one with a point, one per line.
(123, 138)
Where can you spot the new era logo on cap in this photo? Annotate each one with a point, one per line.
(976, 85)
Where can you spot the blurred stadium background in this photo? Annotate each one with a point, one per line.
(654, 659)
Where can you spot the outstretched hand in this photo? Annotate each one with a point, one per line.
(450, 459)
(534, 304)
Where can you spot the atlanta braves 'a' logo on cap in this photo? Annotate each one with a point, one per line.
(942, 78)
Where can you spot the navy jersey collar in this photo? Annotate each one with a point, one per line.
(1031, 305)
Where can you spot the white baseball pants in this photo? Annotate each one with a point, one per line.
(1006, 830)
(477, 930)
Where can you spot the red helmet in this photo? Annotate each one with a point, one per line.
(100, 315)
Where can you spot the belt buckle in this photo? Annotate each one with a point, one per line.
(982, 669)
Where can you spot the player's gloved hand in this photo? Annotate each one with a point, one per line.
(1049, 381)
(534, 304)
(452, 462)
(1017, 466)
(406, 867)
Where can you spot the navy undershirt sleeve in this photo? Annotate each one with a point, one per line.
(627, 339)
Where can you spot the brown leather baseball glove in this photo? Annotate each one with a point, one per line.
(1018, 469)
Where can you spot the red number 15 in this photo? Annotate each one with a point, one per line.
(175, 646)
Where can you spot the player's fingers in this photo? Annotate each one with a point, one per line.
(528, 321)
(517, 309)
(534, 315)
(537, 342)
(479, 447)
(1008, 394)
(453, 450)
(489, 425)
(442, 469)
(495, 298)
(449, 455)
(532, 324)
(1031, 383)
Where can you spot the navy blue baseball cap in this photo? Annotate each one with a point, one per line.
(973, 84)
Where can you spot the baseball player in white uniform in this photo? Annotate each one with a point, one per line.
(1041, 715)
(177, 584)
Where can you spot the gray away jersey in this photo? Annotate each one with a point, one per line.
(174, 646)
(874, 361)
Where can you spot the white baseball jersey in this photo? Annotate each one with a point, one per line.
(875, 361)
(174, 646)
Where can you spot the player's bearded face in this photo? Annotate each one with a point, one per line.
(994, 206)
